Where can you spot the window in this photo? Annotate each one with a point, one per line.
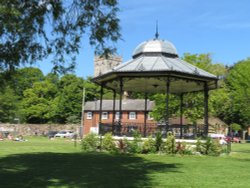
(105, 115)
(117, 114)
(132, 115)
(89, 115)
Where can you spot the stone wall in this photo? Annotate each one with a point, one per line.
(36, 129)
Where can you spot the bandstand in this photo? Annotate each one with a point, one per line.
(155, 67)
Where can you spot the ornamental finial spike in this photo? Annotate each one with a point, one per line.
(156, 33)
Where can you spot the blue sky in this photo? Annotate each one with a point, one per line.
(219, 27)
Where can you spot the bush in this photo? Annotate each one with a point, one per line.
(199, 147)
(135, 146)
(183, 149)
(90, 142)
(209, 147)
(108, 143)
(169, 146)
(158, 141)
(149, 146)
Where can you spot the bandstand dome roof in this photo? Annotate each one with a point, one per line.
(155, 45)
(153, 63)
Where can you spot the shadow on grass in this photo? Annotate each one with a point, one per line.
(79, 170)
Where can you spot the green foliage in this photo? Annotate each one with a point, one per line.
(238, 83)
(68, 99)
(90, 142)
(8, 105)
(73, 119)
(199, 147)
(158, 140)
(25, 78)
(194, 106)
(235, 126)
(35, 98)
(135, 146)
(205, 62)
(169, 147)
(219, 102)
(37, 102)
(149, 145)
(108, 143)
(182, 149)
(159, 111)
(211, 147)
(61, 39)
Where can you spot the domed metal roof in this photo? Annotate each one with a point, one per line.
(155, 46)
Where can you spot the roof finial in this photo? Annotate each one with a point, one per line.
(156, 33)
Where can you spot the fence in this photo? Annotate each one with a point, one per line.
(127, 129)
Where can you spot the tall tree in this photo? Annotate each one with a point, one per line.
(238, 82)
(37, 104)
(24, 78)
(69, 99)
(30, 30)
(8, 105)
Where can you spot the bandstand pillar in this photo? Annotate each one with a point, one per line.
(206, 96)
(167, 106)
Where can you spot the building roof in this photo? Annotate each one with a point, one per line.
(127, 105)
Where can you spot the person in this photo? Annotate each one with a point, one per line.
(10, 137)
(222, 141)
(1, 137)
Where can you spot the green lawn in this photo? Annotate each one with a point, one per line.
(40, 162)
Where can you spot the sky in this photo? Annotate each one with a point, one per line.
(218, 27)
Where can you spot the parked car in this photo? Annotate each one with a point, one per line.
(65, 134)
(51, 134)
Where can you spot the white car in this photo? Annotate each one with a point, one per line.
(65, 134)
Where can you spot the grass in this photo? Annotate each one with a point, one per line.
(40, 162)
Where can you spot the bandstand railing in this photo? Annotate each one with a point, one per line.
(127, 129)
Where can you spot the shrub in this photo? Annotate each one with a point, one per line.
(211, 147)
(158, 141)
(183, 149)
(149, 146)
(90, 142)
(169, 145)
(135, 146)
(108, 143)
(199, 147)
(216, 148)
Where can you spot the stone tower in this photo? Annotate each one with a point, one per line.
(102, 64)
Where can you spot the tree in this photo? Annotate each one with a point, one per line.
(238, 83)
(159, 111)
(194, 101)
(68, 100)
(24, 78)
(205, 62)
(31, 30)
(8, 105)
(37, 104)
